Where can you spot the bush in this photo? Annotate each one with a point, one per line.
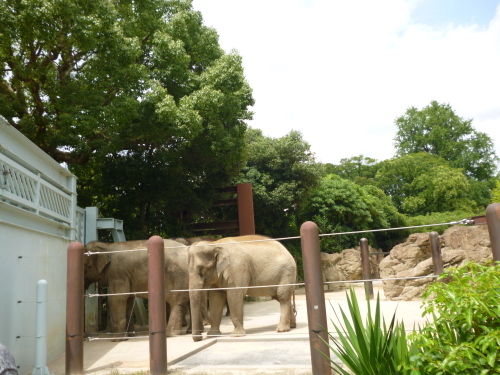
(464, 336)
(370, 348)
(438, 218)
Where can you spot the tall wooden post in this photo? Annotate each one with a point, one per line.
(315, 299)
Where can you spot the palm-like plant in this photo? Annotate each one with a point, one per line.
(371, 347)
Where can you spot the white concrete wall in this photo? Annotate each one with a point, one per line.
(35, 231)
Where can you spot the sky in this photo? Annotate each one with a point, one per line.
(342, 71)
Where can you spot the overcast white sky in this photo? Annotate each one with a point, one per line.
(341, 71)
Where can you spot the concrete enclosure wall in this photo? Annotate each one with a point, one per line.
(38, 220)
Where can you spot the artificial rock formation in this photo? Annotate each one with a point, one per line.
(413, 258)
(347, 266)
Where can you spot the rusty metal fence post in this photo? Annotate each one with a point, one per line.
(437, 259)
(315, 299)
(365, 263)
(74, 309)
(157, 310)
(246, 221)
(493, 221)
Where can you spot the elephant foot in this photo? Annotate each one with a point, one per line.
(293, 325)
(238, 333)
(214, 332)
(206, 323)
(197, 337)
(282, 328)
(173, 332)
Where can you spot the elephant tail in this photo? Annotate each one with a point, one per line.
(294, 309)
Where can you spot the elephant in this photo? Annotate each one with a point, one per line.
(234, 262)
(127, 272)
(187, 242)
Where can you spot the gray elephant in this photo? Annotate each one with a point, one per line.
(127, 272)
(234, 262)
(204, 306)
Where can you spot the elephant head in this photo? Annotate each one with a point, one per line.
(95, 264)
(207, 263)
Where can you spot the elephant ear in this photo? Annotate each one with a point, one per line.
(102, 261)
(222, 259)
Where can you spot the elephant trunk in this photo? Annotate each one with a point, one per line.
(195, 300)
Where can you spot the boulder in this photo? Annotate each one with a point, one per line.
(413, 258)
(347, 266)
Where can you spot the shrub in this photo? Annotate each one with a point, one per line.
(464, 335)
(370, 348)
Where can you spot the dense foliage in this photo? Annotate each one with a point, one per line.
(137, 98)
(461, 337)
(340, 205)
(283, 172)
(360, 169)
(437, 130)
(146, 109)
(496, 193)
(422, 183)
(464, 334)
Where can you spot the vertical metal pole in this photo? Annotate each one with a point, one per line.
(365, 264)
(157, 310)
(41, 329)
(245, 209)
(493, 221)
(74, 310)
(315, 299)
(437, 260)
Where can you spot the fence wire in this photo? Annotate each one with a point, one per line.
(463, 222)
(90, 295)
(282, 334)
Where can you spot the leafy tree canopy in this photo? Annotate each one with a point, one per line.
(437, 130)
(340, 205)
(137, 97)
(360, 169)
(282, 171)
(422, 183)
(496, 193)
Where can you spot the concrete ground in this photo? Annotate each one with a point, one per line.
(261, 351)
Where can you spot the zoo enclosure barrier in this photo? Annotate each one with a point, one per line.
(316, 311)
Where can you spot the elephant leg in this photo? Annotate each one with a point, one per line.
(293, 321)
(235, 299)
(177, 313)
(217, 299)
(204, 308)
(129, 316)
(287, 317)
(117, 314)
(167, 310)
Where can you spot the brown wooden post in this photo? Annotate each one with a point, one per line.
(74, 309)
(315, 299)
(493, 221)
(437, 259)
(245, 209)
(365, 264)
(157, 308)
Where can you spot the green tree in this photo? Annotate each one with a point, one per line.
(137, 97)
(360, 169)
(340, 205)
(395, 176)
(283, 171)
(442, 189)
(496, 193)
(437, 130)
